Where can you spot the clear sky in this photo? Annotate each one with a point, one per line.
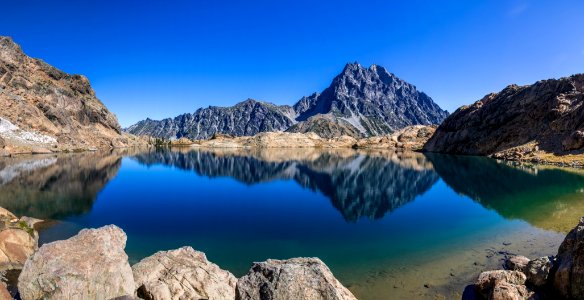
(159, 59)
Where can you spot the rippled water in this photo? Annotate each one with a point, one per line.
(389, 225)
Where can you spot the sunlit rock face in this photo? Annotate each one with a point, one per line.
(350, 179)
(359, 102)
(55, 185)
(50, 108)
(545, 117)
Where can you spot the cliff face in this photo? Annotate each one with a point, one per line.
(359, 102)
(546, 117)
(59, 110)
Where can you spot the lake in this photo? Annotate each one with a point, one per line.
(389, 225)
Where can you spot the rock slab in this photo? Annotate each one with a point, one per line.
(182, 274)
(296, 278)
(90, 265)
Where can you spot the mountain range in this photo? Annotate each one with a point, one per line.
(359, 102)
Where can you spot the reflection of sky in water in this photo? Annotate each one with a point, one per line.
(357, 212)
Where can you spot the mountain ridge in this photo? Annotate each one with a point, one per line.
(371, 101)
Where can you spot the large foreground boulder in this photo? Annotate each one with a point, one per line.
(182, 274)
(569, 277)
(296, 278)
(90, 265)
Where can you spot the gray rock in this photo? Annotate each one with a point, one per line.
(90, 265)
(359, 101)
(516, 263)
(538, 270)
(182, 274)
(296, 278)
(569, 277)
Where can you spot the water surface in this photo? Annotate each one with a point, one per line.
(389, 225)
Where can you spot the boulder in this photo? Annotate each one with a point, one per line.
(90, 265)
(296, 278)
(502, 284)
(182, 274)
(18, 241)
(516, 263)
(574, 141)
(538, 270)
(569, 277)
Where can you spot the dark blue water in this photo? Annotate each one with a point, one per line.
(385, 223)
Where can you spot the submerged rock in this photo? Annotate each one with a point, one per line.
(569, 277)
(182, 274)
(503, 284)
(295, 278)
(516, 263)
(90, 265)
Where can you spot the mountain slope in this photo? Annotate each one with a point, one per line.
(518, 122)
(41, 105)
(359, 102)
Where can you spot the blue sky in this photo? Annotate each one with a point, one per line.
(161, 58)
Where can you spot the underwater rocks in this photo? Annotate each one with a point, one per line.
(295, 278)
(559, 277)
(182, 274)
(90, 265)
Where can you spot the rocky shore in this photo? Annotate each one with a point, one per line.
(550, 277)
(94, 265)
(409, 138)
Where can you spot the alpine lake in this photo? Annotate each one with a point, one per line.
(389, 225)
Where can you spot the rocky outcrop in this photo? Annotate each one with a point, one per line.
(536, 122)
(90, 265)
(18, 240)
(326, 127)
(503, 285)
(549, 277)
(408, 138)
(43, 107)
(182, 274)
(296, 278)
(569, 277)
(359, 102)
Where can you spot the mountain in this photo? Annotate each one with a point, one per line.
(359, 102)
(42, 106)
(529, 121)
(245, 118)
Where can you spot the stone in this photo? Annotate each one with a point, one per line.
(502, 284)
(18, 241)
(296, 278)
(574, 141)
(182, 274)
(568, 280)
(516, 263)
(89, 265)
(4, 293)
(538, 270)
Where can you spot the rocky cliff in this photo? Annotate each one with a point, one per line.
(359, 102)
(41, 106)
(522, 122)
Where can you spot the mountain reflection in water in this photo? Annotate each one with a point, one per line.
(358, 184)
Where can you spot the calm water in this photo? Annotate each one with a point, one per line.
(385, 223)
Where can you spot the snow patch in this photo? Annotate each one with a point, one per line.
(12, 132)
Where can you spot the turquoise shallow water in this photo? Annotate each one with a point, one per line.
(385, 223)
